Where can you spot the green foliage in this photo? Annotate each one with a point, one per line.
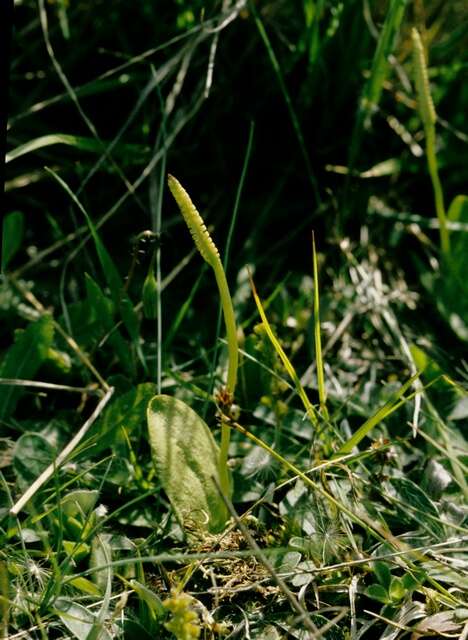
(32, 454)
(150, 295)
(124, 417)
(79, 142)
(12, 236)
(385, 47)
(391, 590)
(23, 359)
(452, 286)
(186, 459)
(79, 621)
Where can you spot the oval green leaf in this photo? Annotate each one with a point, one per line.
(186, 455)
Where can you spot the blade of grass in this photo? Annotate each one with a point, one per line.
(284, 358)
(318, 342)
(79, 142)
(372, 91)
(385, 45)
(389, 407)
(156, 189)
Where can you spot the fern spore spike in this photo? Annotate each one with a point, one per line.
(210, 254)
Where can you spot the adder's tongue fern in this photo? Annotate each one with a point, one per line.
(210, 253)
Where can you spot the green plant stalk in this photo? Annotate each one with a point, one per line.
(318, 341)
(210, 254)
(429, 118)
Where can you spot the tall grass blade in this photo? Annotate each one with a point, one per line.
(318, 341)
(232, 224)
(284, 359)
(379, 70)
(373, 88)
(79, 142)
(395, 401)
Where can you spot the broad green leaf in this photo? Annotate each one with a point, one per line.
(410, 582)
(185, 455)
(382, 573)
(13, 231)
(397, 589)
(23, 359)
(79, 502)
(377, 592)
(101, 555)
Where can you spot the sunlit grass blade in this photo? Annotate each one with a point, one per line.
(385, 45)
(395, 401)
(284, 359)
(79, 142)
(318, 341)
(373, 88)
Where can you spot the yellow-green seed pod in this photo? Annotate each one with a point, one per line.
(150, 295)
(197, 227)
(425, 103)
